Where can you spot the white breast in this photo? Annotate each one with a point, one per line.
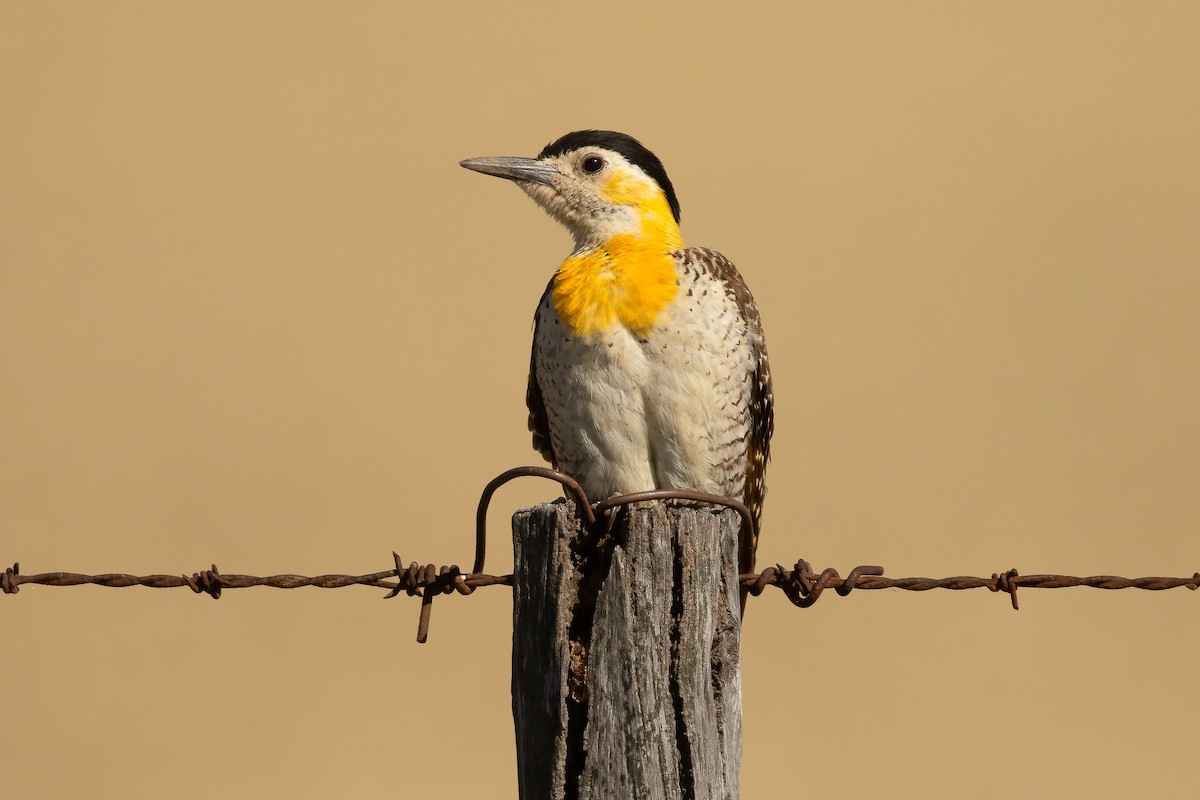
(669, 411)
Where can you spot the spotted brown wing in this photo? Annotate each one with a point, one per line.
(539, 423)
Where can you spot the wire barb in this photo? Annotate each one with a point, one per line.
(206, 582)
(8, 582)
(1007, 582)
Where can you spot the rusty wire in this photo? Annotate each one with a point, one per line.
(569, 484)
(425, 581)
(801, 584)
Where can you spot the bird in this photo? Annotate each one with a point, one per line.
(649, 366)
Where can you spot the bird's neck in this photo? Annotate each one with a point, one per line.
(626, 279)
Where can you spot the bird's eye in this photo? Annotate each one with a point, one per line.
(593, 164)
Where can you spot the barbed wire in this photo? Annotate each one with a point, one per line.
(801, 584)
(424, 581)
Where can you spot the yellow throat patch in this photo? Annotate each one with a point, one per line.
(629, 279)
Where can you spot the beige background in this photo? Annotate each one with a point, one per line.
(252, 311)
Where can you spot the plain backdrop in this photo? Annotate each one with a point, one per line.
(252, 312)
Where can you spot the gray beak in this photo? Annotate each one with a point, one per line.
(514, 168)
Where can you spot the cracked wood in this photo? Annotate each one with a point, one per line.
(626, 676)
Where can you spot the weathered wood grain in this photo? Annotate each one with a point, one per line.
(626, 676)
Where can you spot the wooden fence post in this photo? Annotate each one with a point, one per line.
(626, 657)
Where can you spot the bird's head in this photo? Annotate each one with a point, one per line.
(600, 185)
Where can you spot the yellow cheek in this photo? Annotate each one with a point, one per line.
(627, 188)
(623, 188)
